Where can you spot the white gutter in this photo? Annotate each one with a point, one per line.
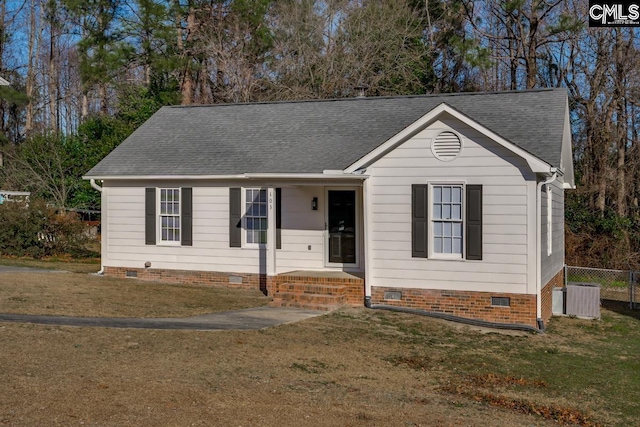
(539, 242)
(94, 185)
(231, 177)
(305, 176)
(97, 187)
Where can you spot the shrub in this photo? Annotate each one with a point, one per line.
(37, 230)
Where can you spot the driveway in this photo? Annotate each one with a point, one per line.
(248, 319)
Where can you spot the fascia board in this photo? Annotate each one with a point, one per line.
(343, 176)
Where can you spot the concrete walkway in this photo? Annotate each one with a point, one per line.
(248, 319)
(11, 269)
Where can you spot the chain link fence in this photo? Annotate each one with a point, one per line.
(615, 285)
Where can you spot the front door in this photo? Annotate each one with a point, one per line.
(341, 225)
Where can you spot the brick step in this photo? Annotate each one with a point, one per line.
(305, 305)
(309, 288)
(309, 298)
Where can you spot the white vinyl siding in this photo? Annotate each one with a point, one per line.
(124, 243)
(504, 177)
(552, 263)
(302, 230)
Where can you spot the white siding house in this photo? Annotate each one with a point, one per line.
(449, 204)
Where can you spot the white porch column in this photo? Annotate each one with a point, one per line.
(271, 231)
(367, 230)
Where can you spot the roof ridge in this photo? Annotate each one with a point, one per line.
(370, 98)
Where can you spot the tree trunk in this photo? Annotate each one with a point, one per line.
(53, 71)
(532, 48)
(85, 105)
(187, 84)
(31, 71)
(620, 91)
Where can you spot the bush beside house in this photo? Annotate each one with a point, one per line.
(37, 230)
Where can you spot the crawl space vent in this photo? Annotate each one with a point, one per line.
(500, 301)
(130, 273)
(446, 146)
(393, 295)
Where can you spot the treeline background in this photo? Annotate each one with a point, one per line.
(85, 74)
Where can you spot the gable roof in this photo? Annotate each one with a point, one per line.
(314, 136)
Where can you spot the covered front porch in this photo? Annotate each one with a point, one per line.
(316, 225)
(319, 258)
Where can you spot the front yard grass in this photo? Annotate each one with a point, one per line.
(74, 265)
(81, 294)
(353, 367)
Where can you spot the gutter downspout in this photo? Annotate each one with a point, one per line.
(539, 243)
(94, 185)
(98, 188)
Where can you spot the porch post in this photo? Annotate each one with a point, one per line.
(367, 229)
(271, 231)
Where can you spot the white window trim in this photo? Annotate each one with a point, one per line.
(159, 241)
(243, 232)
(440, 256)
(549, 220)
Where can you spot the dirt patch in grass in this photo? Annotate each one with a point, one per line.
(74, 294)
(488, 388)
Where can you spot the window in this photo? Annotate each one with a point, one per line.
(447, 219)
(438, 226)
(255, 216)
(170, 215)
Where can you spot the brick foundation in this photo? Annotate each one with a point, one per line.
(470, 305)
(556, 281)
(207, 278)
(467, 304)
(353, 287)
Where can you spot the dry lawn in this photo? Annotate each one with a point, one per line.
(336, 370)
(81, 294)
(90, 265)
(353, 367)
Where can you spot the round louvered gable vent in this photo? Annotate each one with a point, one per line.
(446, 146)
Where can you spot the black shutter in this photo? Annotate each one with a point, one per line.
(235, 218)
(150, 216)
(186, 206)
(474, 222)
(278, 218)
(419, 220)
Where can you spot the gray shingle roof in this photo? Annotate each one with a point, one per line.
(312, 136)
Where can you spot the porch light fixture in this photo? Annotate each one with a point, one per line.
(314, 204)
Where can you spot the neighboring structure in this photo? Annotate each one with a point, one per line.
(449, 203)
(3, 82)
(10, 196)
